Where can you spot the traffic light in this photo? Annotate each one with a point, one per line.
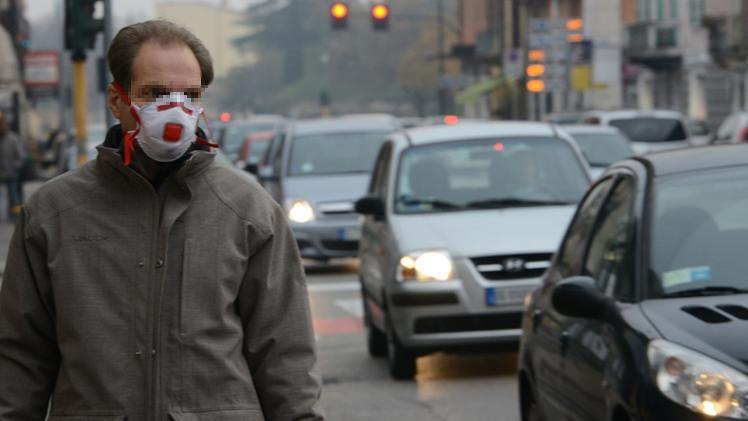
(81, 27)
(380, 17)
(339, 12)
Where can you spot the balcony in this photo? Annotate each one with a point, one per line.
(654, 44)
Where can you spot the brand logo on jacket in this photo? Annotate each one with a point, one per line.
(89, 238)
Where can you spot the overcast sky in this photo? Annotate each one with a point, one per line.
(36, 9)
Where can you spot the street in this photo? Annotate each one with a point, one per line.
(358, 387)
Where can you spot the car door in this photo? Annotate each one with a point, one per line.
(373, 239)
(547, 324)
(609, 261)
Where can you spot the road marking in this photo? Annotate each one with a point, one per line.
(353, 306)
(334, 286)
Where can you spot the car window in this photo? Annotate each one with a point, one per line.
(236, 133)
(334, 153)
(699, 230)
(698, 128)
(609, 254)
(603, 149)
(572, 248)
(651, 129)
(489, 173)
(377, 185)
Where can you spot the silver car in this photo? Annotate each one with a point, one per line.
(460, 223)
(649, 130)
(317, 169)
(602, 146)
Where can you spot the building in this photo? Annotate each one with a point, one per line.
(217, 27)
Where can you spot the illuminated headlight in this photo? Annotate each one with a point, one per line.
(300, 211)
(698, 382)
(426, 266)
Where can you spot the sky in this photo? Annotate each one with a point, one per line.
(36, 9)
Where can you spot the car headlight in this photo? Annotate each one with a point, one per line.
(426, 266)
(698, 382)
(300, 211)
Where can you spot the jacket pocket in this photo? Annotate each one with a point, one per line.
(87, 418)
(225, 415)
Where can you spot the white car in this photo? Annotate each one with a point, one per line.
(602, 146)
(649, 131)
(460, 223)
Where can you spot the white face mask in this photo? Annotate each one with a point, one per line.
(167, 126)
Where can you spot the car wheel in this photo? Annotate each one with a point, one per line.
(402, 363)
(529, 405)
(376, 340)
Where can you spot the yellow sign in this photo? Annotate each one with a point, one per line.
(581, 78)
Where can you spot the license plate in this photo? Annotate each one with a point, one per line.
(349, 234)
(507, 295)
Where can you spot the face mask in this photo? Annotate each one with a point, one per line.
(166, 127)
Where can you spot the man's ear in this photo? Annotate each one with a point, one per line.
(115, 102)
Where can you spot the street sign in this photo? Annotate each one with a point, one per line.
(42, 69)
(514, 63)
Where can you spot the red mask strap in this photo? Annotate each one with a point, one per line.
(206, 142)
(129, 138)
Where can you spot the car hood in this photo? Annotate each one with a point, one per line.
(326, 188)
(484, 232)
(643, 148)
(708, 326)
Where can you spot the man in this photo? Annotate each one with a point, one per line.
(154, 284)
(11, 158)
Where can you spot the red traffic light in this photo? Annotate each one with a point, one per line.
(225, 117)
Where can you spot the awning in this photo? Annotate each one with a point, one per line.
(474, 92)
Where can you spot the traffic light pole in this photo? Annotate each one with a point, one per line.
(80, 108)
(108, 28)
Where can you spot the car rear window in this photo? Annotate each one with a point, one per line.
(651, 129)
(489, 173)
(602, 149)
(334, 153)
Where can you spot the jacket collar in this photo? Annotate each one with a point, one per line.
(195, 160)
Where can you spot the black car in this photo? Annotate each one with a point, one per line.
(643, 314)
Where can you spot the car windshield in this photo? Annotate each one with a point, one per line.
(651, 129)
(603, 149)
(335, 153)
(236, 133)
(700, 232)
(257, 149)
(489, 173)
(698, 128)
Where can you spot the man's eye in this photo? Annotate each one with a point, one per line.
(158, 93)
(194, 95)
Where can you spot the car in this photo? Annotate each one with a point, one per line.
(601, 145)
(733, 130)
(563, 118)
(254, 148)
(649, 131)
(700, 131)
(235, 132)
(459, 223)
(316, 169)
(642, 313)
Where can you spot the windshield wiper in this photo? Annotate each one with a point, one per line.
(436, 203)
(711, 290)
(513, 202)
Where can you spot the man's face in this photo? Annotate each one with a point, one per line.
(157, 70)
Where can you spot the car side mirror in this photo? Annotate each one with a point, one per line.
(371, 205)
(252, 168)
(579, 297)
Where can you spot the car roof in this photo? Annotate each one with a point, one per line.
(342, 125)
(612, 115)
(695, 159)
(479, 130)
(590, 129)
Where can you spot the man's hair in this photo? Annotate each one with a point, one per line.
(126, 45)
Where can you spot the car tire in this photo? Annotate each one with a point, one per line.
(376, 340)
(530, 408)
(401, 362)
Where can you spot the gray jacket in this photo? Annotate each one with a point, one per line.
(184, 303)
(12, 155)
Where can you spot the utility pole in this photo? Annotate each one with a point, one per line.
(108, 35)
(442, 94)
(80, 106)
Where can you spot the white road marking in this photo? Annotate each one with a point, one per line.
(334, 286)
(352, 306)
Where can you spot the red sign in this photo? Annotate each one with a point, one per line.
(42, 69)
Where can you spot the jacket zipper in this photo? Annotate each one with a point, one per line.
(153, 288)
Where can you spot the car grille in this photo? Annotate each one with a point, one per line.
(515, 266)
(340, 245)
(506, 321)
